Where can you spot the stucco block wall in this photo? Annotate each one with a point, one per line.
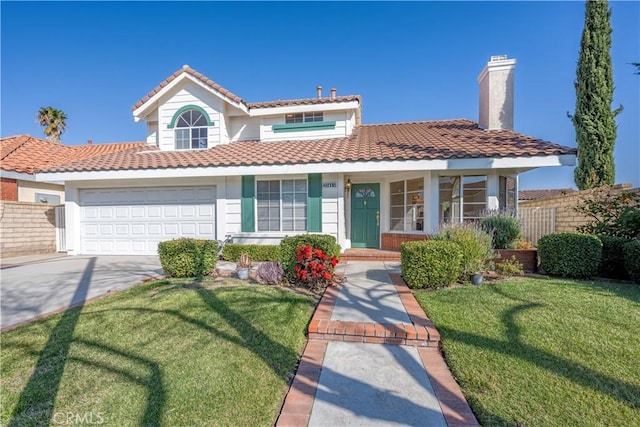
(567, 220)
(26, 229)
(27, 190)
(8, 189)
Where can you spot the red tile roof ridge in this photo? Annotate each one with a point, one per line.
(109, 143)
(536, 194)
(324, 100)
(186, 69)
(417, 122)
(7, 150)
(14, 136)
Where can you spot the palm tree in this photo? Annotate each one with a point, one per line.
(54, 122)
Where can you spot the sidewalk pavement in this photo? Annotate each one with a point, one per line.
(372, 359)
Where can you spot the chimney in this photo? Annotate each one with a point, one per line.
(89, 142)
(333, 93)
(496, 94)
(319, 89)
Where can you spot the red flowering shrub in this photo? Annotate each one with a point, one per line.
(314, 269)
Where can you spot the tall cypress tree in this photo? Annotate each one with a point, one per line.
(594, 120)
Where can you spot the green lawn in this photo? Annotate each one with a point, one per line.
(159, 354)
(543, 352)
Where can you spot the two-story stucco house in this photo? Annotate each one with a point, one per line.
(215, 164)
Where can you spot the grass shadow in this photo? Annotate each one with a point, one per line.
(45, 380)
(37, 399)
(625, 392)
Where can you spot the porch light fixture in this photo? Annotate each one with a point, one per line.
(347, 186)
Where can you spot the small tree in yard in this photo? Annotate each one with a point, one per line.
(593, 119)
(611, 214)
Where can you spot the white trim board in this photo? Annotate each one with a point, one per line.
(343, 167)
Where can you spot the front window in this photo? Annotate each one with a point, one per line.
(507, 193)
(317, 116)
(282, 205)
(191, 130)
(462, 198)
(407, 205)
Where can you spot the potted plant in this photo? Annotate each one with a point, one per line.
(477, 279)
(243, 265)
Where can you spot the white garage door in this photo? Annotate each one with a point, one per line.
(131, 221)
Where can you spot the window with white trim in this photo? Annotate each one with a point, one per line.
(407, 205)
(507, 193)
(282, 205)
(316, 116)
(191, 130)
(462, 198)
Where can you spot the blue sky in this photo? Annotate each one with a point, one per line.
(409, 61)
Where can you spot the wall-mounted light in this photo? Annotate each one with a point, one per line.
(347, 186)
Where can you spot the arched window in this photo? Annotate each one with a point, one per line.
(191, 130)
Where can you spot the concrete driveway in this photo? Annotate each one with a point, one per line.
(36, 285)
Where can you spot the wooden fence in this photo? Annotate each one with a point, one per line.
(537, 222)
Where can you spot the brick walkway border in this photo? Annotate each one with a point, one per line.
(420, 333)
(296, 410)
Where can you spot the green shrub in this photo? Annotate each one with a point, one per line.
(510, 267)
(232, 252)
(632, 259)
(570, 254)
(430, 263)
(475, 245)
(611, 214)
(505, 229)
(188, 257)
(289, 246)
(612, 261)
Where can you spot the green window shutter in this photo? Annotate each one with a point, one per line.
(314, 202)
(247, 205)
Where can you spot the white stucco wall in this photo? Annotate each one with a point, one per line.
(233, 200)
(27, 190)
(243, 128)
(331, 199)
(497, 94)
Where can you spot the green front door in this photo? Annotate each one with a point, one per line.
(365, 215)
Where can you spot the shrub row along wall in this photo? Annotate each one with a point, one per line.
(26, 229)
(567, 220)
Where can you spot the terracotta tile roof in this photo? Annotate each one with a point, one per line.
(26, 154)
(94, 150)
(204, 79)
(267, 104)
(447, 139)
(306, 101)
(543, 194)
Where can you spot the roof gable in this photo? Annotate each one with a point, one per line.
(186, 72)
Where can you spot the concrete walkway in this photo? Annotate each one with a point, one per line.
(372, 359)
(39, 285)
